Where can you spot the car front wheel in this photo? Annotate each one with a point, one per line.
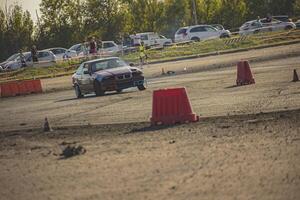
(78, 92)
(98, 89)
(141, 87)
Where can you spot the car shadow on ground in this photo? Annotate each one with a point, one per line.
(94, 96)
(232, 86)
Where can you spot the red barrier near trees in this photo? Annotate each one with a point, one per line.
(171, 106)
(244, 74)
(14, 88)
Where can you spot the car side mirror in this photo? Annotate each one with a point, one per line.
(86, 72)
(131, 64)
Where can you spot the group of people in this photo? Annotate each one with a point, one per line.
(92, 46)
(34, 56)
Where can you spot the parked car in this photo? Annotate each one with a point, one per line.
(297, 23)
(150, 39)
(11, 58)
(80, 49)
(283, 18)
(106, 74)
(62, 53)
(199, 33)
(109, 47)
(262, 25)
(43, 56)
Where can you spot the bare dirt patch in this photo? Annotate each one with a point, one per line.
(236, 157)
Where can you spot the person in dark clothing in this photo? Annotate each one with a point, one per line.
(93, 46)
(269, 18)
(22, 59)
(34, 54)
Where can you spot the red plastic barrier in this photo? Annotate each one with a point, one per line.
(171, 106)
(244, 74)
(9, 89)
(37, 86)
(20, 88)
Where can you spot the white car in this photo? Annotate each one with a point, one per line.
(150, 39)
(11, 58)
(43, 56)
(199, 33)
(80, 49)
(62, 53)
(263, 25)
(109, 47)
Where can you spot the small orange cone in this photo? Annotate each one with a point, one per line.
(163, 71)
(295, 77)
(47, 127)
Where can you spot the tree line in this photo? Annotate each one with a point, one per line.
(66, 22)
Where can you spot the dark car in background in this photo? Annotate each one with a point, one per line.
(282, 18)
(106, 74)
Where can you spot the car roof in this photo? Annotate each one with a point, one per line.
(54, 48)
(100, 59)
(145, 33)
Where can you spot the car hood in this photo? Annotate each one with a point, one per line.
(4, 63)
(114, 71)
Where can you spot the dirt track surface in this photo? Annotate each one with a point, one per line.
(246, 145)
(237, 157)
(212, 93)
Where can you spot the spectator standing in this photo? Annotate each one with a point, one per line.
(269, 18)
(34, 54)
(93, 46)
(143, 55)
(22, 59)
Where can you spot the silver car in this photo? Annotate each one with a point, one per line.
(43, 56)
(62, 53)
(263, 25)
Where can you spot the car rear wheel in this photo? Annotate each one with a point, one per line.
(119, 90)
(288, 28)
(98, 89)
(141, 87)
(196, 39)
(224, 36)
(78, 92)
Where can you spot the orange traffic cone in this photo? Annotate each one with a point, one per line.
(163, 71)
(47, 127)
(244, 74)
(295, 77)
(171, 106)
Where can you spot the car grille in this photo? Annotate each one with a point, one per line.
(124, 76)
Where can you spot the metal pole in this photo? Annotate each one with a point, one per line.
(194, 12)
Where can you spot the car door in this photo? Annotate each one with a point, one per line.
(85, 80)
(198, 32)
(44, 56)
(110, 46)
(211, 32)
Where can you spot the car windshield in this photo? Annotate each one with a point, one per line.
(107, 64)
(74, 47)
(182, 31)
(13, 57)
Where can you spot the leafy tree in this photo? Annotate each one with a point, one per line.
(61, 23)
(105, 19)
(16, 31)
(177, 14)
